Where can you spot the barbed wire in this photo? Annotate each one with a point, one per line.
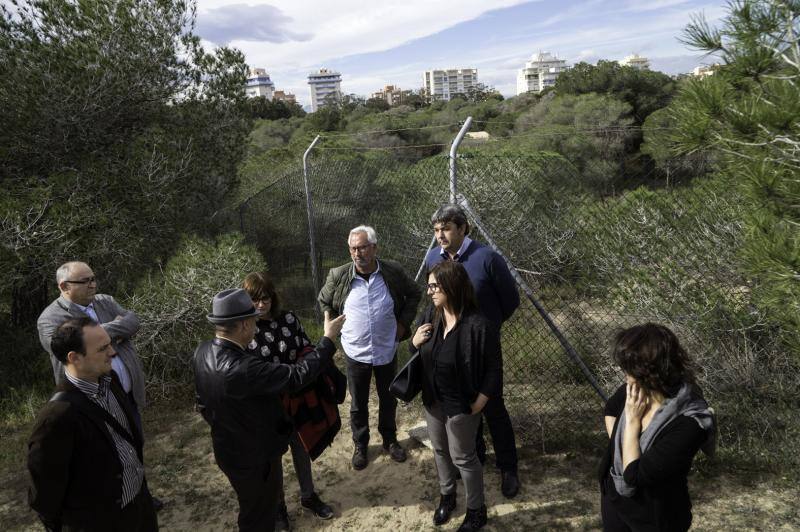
(388, 130)
(414, 146)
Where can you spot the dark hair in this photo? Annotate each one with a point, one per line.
(453, 280)
(450, 212)
(258, 286)
(69, 337)
(652, 354)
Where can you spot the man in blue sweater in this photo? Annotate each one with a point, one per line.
(498, 298)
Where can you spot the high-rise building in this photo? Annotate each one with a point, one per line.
(540, 72)
(444, 84)
(259, 84)
(636, 61)
(325, 85)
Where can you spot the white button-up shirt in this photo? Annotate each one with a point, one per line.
(369, 334)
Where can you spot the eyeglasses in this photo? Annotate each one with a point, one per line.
(362, 249)
(262, 300)
(87, 280)
(433, 287)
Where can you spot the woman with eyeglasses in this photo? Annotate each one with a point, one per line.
(656, 422)
(462, 369)
(281, 338)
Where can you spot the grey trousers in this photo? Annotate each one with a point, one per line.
(453, 440)
(302, 466)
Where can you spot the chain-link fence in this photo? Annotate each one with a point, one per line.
(594, 263)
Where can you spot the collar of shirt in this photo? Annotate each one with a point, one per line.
(355, 274)
(464, 245)
(91, 389)
(88, 310)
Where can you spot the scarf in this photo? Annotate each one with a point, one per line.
(687, 402)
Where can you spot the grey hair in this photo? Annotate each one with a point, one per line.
(450, 212)
(372, 237)
(63, 271)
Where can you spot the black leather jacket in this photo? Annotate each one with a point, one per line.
(237, 394)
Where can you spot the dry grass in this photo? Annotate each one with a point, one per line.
(559, 490)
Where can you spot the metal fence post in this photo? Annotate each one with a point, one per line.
(576, 358)
(422, 266)
(453, 154)
(311, 242)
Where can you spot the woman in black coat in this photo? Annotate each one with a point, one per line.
(656, 421)
(462, 369)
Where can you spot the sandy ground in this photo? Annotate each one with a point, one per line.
(559, 490)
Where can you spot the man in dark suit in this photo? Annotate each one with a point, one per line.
(498, 298)
(238, 394)
(85, 453)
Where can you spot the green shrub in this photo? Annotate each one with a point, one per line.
(172, 304)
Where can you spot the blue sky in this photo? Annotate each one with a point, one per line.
(382, 42)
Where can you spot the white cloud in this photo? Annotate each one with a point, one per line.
(348, 27)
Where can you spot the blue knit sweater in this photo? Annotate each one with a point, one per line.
(494, 285)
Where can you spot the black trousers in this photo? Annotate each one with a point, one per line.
(505, 445)
(258, 490)
(359, 376)
(137, 516)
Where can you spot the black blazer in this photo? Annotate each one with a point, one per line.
(661, 501)
(75, 472)
(481, 358)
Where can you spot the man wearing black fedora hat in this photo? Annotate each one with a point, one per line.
(238, 395)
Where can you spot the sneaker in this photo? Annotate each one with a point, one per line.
(319, 508)
(397, 453)
(360, 459)
(282, 519)
(474, 520)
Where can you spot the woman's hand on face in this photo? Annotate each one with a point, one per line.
(636, 403)
(422, 335)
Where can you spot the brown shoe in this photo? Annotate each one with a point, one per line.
(397, 453)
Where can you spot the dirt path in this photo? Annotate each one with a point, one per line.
(559, 490)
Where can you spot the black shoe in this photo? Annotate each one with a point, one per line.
(282, 519)
(360, 459)
(319, 508)
(447, 503)
(474, 520)
(158, 504)
(510, 484)
(397, 453)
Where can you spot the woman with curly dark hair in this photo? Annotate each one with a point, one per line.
(656, 421)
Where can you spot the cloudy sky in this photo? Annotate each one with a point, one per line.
(379, 42)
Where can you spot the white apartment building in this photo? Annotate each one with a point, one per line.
(323, 85)
(259, 84)
(703, 71)
(636, 61)
(444, 84)
(540, 72)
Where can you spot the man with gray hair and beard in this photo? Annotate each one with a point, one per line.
(380, 301)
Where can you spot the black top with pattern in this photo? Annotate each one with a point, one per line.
(280, 339)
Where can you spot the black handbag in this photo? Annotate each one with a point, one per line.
(408, 381)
